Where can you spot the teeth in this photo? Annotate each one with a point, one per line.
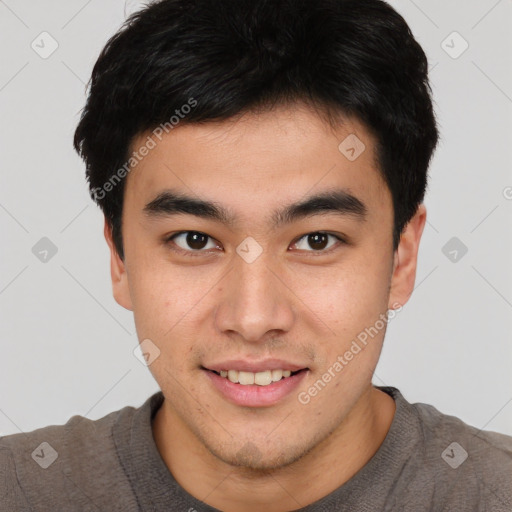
(263, 378)
(246, 378)
(277, 375)
(260, 378)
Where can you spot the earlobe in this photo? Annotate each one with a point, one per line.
(406, 260)
(118, 274)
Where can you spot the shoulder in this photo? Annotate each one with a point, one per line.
(485, 447)
(462, 466)
(74, 464)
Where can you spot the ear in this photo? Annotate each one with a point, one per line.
(406, 258)
(120, 288)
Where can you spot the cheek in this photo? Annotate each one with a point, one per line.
(347, 297)
(151, 294)
(167, 300)
(163, 314)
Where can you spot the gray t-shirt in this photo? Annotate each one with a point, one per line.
(428, 461)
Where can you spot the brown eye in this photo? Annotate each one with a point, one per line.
(192, 241)
(317, 242)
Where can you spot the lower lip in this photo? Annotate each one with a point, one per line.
(254, 395)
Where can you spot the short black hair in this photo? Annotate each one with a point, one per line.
(223, 58)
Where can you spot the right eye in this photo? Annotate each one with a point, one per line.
(191, 242)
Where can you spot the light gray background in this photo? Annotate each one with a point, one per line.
(67, 347)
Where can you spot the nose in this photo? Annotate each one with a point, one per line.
(255, 302)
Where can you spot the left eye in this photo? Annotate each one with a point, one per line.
(318, 241)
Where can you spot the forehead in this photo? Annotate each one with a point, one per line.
(259, 160)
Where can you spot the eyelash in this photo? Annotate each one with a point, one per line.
(195, 253)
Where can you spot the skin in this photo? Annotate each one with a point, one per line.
(292, 303)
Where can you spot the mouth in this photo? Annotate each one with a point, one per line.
(262, 388)
(263, 378)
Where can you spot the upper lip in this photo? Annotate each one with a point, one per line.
(254, 366)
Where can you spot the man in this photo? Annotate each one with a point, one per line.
(261, 166)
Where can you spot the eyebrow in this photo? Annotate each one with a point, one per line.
(340, 202)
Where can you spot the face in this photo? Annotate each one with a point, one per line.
(238, 269)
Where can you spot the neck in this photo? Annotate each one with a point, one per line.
(348, 448)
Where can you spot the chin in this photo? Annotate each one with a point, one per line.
(259, 459)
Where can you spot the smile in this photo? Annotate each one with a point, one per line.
(260, 378)
(255, 389)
